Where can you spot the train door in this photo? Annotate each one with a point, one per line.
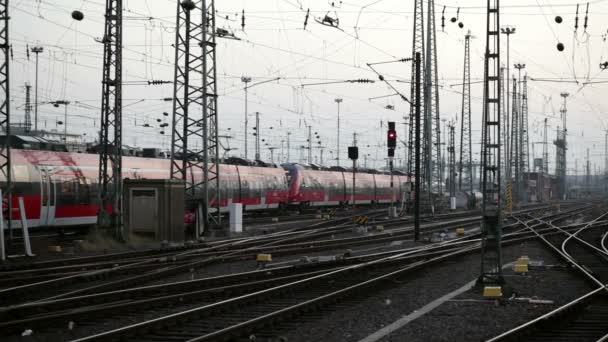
(48, 192)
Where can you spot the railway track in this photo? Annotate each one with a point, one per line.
(585, 318)
(124, 303)
(120, 274)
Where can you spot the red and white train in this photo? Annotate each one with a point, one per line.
(60, 188)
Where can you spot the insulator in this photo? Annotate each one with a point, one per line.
(558, 19)
(560, 47)
(77, 15)
(188, 5)
(461, 24)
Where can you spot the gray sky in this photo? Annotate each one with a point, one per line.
(274, 44)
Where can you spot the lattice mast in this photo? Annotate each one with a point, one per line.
(606, 163)
(504, 151)
(546, 150)
(514, 151)
(110, 142)
(194, 139)
(465, 171)
(432, 138)
(5, 122)
(491, 264)
(417, 47)
(525, 139)
(28, 108)
(561, 148)
(452, 160)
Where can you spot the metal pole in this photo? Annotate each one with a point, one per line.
(36, 50)
(65, 122)
(354, 172)
(246, 80)
(338, 101)
(417, 153)
(288, 146)
(257, 136)
(309, 145)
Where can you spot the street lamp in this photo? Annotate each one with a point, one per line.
(36, 50)
(338, 101)
(246, 80)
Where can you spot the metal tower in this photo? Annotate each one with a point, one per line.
(491, 228)
(513, 166)
(561, 148)
(606, 163)
(5, 122)
(588, 173)
(417, 47)
(546, 150)
(465, 171)
(110, 137)
(452, 163)
(194, 139)
(28, 109)
(432, 125)
(544, 168)
(525, 141)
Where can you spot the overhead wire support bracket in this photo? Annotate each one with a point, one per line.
(359, 80)
(403, 97)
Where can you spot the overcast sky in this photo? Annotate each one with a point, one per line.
(274, 44)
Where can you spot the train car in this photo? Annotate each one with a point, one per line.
(315, 188)
(61, 188)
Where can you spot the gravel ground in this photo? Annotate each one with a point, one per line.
(453, 321)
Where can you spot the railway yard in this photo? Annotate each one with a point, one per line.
(328, 280)
(183, 171)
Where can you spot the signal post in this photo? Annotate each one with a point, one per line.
(391, 143)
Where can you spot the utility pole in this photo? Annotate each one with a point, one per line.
(416, 124)
(508, 31)
(525, 139)
(272, 154)
(338, 101)
(588, 173)
(37, 50)
(432, 113)
(491, 227)
(517, 103)
(465, 172)
(606, 163)
(418, 51)
(195, 109)
(28, 109)
(452, 166)
(5, 124)
(513, 152)
(562, 147)
(257, 135)
(288, 147)
(246, 80)
(545, 166)
(110, 144)
(309, 145)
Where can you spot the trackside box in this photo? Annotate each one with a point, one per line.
(154, 207)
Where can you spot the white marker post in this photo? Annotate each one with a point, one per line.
(26, 234)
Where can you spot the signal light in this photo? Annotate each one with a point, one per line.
(353, 152)
(391, 140)
(391, 152)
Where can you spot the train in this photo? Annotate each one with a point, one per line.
(60, 188)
